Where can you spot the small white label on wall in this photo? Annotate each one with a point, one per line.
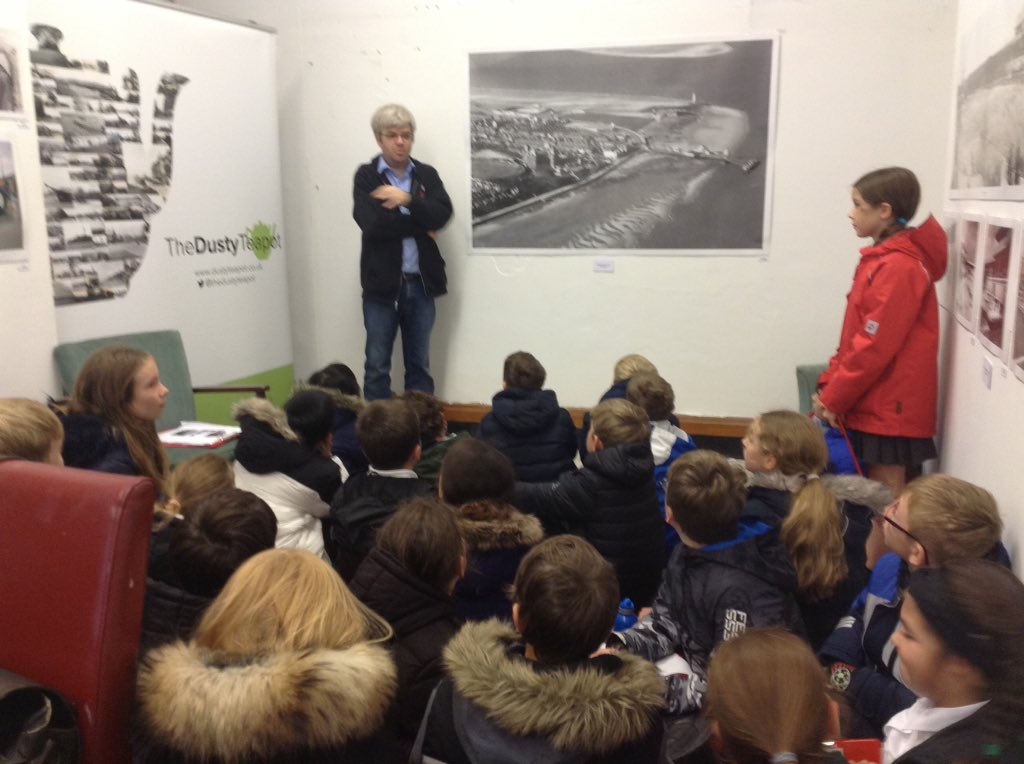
(986, 373)
(605, 265)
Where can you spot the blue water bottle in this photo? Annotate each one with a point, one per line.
(626, 619)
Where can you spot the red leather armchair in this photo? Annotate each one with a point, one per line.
(73, 555)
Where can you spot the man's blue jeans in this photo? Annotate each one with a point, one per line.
(414, 313)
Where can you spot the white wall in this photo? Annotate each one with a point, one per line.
(28, 323)
(981, 428)
(855, 93)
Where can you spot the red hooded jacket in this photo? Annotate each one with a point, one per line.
(883, 378)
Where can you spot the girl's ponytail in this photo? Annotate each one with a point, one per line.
(813, 534)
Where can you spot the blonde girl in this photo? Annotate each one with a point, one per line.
(286, 664)
(825, 519)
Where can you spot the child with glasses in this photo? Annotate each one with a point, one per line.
(937, 518)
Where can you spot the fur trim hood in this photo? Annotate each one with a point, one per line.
(194, 703)
(343, 401)
(266, 412)
(488, 525)
(579, 708)
(846, 488)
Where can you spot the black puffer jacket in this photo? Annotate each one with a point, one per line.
(423, 619)
(359, 509)
(533, 432)
(611, 502)
(713, 594)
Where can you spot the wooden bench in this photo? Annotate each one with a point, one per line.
(471, 414)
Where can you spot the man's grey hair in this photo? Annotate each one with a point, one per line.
(392, 115)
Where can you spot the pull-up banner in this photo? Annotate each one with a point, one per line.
(158, 144)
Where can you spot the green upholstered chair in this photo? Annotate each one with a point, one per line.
(169, 351)
(807, 383)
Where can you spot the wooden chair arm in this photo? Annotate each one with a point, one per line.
(260, 391)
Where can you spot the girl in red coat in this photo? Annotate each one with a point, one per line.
(882, 382)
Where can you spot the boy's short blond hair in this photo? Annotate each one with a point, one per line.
(617, 422)
(630, 365)
(951, 518)
(653, 394)
(28, 429)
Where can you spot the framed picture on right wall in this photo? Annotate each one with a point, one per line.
(1000, 240)
(969, 242)
(1015, 311)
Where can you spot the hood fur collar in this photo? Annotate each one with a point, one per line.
(846, 488)
(280, 703)
(342, 400)
(266, 412)
(490, 525)
(578, 708)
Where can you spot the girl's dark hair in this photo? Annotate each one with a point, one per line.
(424, 536)
(895, 186)
(338, 376)
(989, 601)
(311, 415)
(473, 470)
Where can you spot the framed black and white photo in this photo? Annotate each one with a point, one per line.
(12, 98)
(657, 149)
(988, 156)
(12, 233)
(1015, 308)
(999, 241)
(969, 242)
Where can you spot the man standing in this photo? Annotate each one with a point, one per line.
(399, 204)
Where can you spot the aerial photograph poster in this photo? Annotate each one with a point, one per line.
(657, 149)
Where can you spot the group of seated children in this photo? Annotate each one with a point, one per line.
(449, 627)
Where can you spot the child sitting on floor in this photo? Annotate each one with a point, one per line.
(339, 381)
(29, 430)
(654, 395)
(478, 480)
(825, 519)
(728, 575)
(961, 651)
(938, 518)
(527, 424)
(389, 433)
(407, 579)
(612, 501)
(434, 437)
(533, 693)
(219, 533)
(284, 457)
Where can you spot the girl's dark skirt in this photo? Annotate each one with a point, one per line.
(886, 449)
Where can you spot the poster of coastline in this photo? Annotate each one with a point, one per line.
(988, 158)
(658, 149)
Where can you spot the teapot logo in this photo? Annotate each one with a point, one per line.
(263, 238)
(102, 184)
